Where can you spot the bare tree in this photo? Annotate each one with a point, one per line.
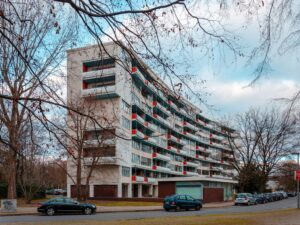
(32, 48)
(87, 143)
(264, 137)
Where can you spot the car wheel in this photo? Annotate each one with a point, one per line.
(88, 211)
(177, 208)
(167, 210)
(197, 207)
(50, 212)
(249, 203)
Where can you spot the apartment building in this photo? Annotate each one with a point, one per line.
(157, 143)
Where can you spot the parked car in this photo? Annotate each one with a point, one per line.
(245, 199)
(269, 197)
(285, 195)
(292, 194)
(56, 192)
(178, 202)
(65, 205)
(260, 198)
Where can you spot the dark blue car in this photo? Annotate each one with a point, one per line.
(178, 202)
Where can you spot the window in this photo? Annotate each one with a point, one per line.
(189, 198)
(125, 123)
(146, 148)
(136, 145)
(135, 159)
(145, 161)
(125, 171)
(125, 107)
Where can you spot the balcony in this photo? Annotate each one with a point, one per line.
(190, 126)
(161, 168)
(98, 73)
(174, 139)
(137, 179)
(189, 173)
(100, 92)
(159, 156)
(221, 177)
(191, 164)
(97, 143)
(161, 108)
(215, 168)
(88, 161)
(171, 148)
(137, 133)
(203, 167)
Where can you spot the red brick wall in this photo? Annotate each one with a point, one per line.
(213, 195)
(166, 188)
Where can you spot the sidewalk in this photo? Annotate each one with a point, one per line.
(113, 209)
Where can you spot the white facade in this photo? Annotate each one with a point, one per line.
(158, 135)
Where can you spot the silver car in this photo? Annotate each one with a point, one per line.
(245, 199)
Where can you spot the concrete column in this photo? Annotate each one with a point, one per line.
(92, 190)
(119, 190)
(69, 191)
(129, 190)
(155, 192)
(140, 190)
(150, 192)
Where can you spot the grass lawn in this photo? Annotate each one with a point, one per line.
(283, 217)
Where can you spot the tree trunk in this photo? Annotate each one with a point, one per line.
(78, 180)
(12, 186)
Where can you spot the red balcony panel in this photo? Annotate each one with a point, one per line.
(197, 147)
(146, 124)
(134, 69)
(197, 156)
(146, 138)
(154, 103)
(133, 116)
(84, 68)
(146, 179)
(184, 162)
(184, 172)
(154, 115)
(84, 85)
(210, 135)
(154, 167)
(146, 82)
(133, 178)
(154, 154)
(133, 131)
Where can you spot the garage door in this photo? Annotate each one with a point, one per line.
(213, 195)
(105, 190)
(190, 188)
(83, 193)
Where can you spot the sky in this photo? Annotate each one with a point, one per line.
(227, 78)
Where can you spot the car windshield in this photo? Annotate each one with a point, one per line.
(241, 196)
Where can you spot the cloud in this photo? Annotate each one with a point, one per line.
(232, 97)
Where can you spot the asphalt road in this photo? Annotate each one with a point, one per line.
(283, 204)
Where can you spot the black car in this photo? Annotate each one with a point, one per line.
(260, 198)
(178, 202)
(65, 205)
(269, 197)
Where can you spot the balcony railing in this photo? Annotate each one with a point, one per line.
(191, 164)
(95, 143)
(88, 161)
(99, 91)
(98, 73)
(156, 155)
(161, 168)
(189, 173)
(192, 127)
